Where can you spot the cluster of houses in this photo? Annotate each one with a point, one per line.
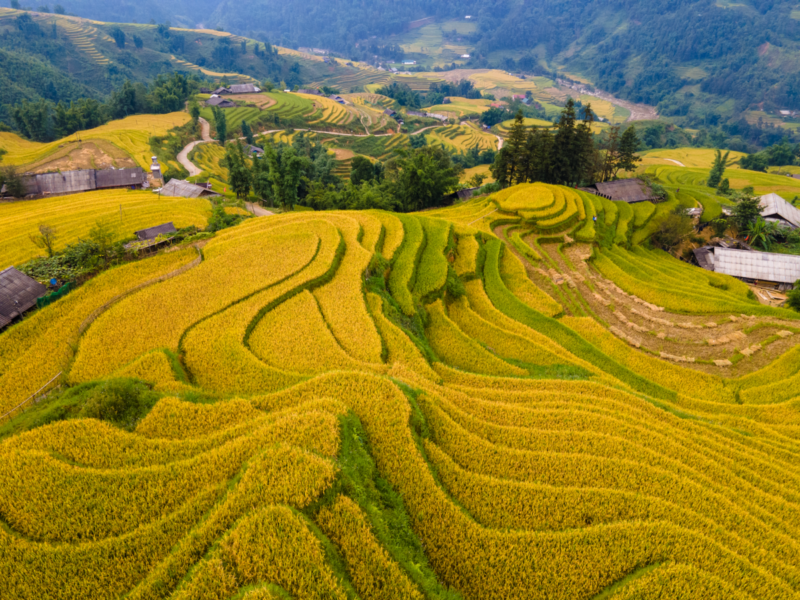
(217, 94)
(739, 260)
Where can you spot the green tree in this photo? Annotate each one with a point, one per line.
(239, 176)
(361, 170)
(194, 110)
(13, 182)
(793, 297)
(420, 178)
(119, 37)
(718, 168)
(138, 42)
(500, 169)
(247, 133)
(720, 226)
(761, 234)
(221, 125)
(45, 239)
(262, 184)
(746, 211)
(673, 229)
(629, 145)
(268, 86)
(103, 236)
(566, 154)
(517, 149)
(724, 187)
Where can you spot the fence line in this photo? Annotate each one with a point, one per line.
(32, 396)
(98, 311)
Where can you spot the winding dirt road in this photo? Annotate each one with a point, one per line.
(183, 156)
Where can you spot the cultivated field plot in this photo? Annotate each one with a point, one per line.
(702, 158)
(74, 215)
(459, 107)
(461, 138)
(131, 135)
(474, 377)
(763, 183)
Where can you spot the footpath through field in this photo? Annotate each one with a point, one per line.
(183, 155)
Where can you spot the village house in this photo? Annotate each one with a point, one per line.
(777, 210)
(18, 294)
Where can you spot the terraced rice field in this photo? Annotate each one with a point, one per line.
(702, 158)
(74, 215)
(762, 183)
(461, 138)
(459, 107)
(130, 135)
(466, 401)
(370, 99)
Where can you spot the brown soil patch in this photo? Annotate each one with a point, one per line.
(343, 154)
(73, 156)
(262, 101)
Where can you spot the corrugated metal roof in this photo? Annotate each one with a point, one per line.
(626, 190)
(244, 88)
(220, 101)
(705, 257)
(184, 189)
(109, 178)
(773, 205)
(18, 293)
(764, 266)
(152, 233)
(67, 182)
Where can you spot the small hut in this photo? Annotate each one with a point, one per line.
(184, 189)
(18, 294)
(625, 190)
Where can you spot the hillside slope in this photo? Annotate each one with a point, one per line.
(432, 405)
(687, 55)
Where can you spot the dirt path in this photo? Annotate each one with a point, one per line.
(257, 210)
(183, 155)
(677, 162)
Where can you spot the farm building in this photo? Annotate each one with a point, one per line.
(221, 90)
(73, 182)
(310, 92)
(244, 88)
(255, 150)
(390, 113)
(624, 190)
(152, 233)
(119, 178)
(18, 294)
(184, 189)
(782, 269)
(336, 98)
(777, 210)
(220, 102)
(152, 236)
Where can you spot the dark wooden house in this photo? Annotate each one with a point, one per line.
(625, 190)
(18, 294)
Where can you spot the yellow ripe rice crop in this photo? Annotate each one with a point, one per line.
(278, 339)
(374, 574)
(75, 215)
(36, 350)
(149, 322)
(131, 134)
(313, 419)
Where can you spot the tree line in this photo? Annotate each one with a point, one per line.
(45, 121)
(301, 173)
(566, 154)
